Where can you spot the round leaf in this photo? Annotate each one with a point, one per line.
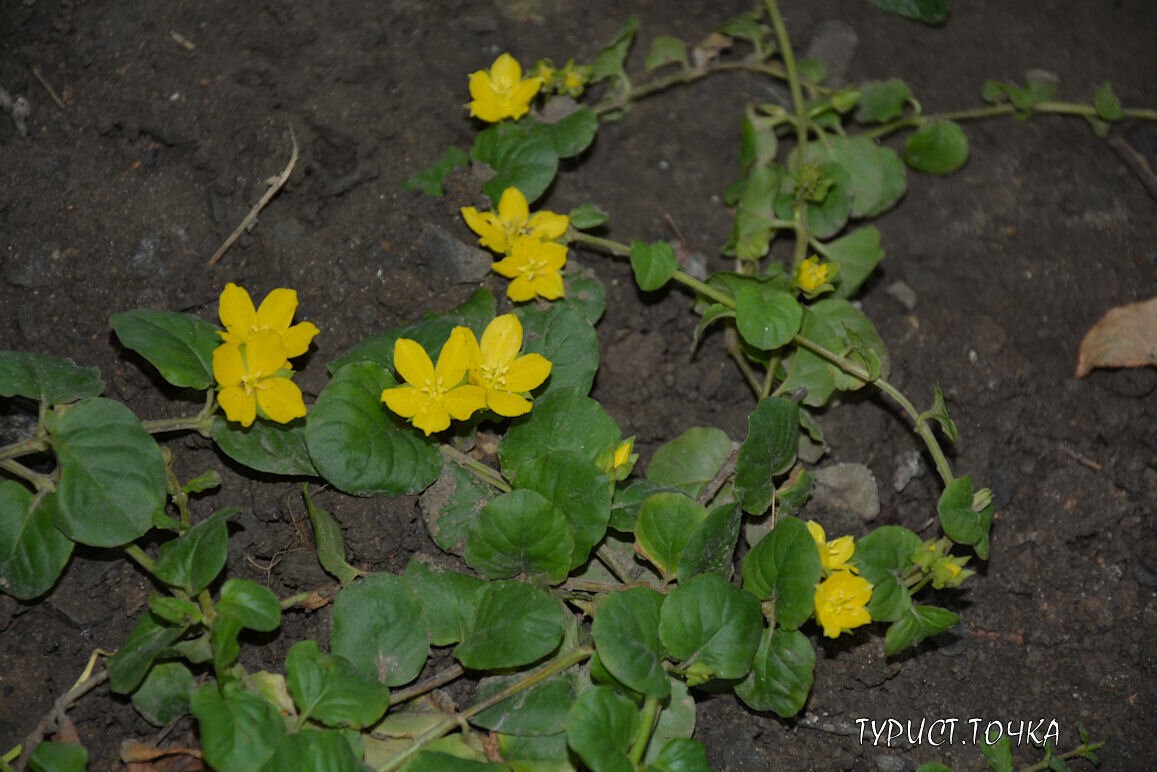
(578, 489)
(785, 567)
(666, 522)
(883, 556)
(112, 476)
(164, 695)
(238, 732)
(266, 446)
(328, 689)
(354, 443)
(654, 264)
(194, 559)
(539, 710)
(712, 627)
(562, 420)
(767, 318)
(690, 461)
(378, 626)
(563, 335)
(626, 633)
(600, 728)
(768, 451)
(180, 346)
(520, 532)
(447, 599)
(520, 159)
(781, 675)
(514, 624)
(938, 148)
(33, 551)
(46, 379)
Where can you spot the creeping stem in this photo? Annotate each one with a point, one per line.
(480, 470)
(646, 725)
(994, 111)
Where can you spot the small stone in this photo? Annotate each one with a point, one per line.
(848, 488)
(908, 468)
(904, 294)
(458, 262)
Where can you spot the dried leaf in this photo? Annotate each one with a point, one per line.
(1125, 337)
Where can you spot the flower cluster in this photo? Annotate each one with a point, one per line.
(842, 597)
(470, 375)
(533, 257)
(569, 80)
(502, 92)
(814, 277)
(251, 365)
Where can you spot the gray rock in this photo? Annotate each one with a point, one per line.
(908, 468)
(458, 262)
(834, 44)
(848, 488)
(904, 294)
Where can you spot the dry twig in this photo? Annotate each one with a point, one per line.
(275, 184)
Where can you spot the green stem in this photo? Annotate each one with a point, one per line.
(769, 376)
(480, 470)
(731, 339)
(429, 685)
(447, 724)
(608, 559)
(293, 600)
(24, 448)
(620, 101)
(793, 82)
(1079, 752)
(42, 482)
(614, 247)
(646, 724)
(140, 556)
(703, 288)
(200, 423)
(993, 111)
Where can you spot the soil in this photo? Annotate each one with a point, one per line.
(116, 200)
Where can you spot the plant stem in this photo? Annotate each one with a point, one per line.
(140, 556)
(646, 725)
(793, 83)
(429, 685)
(483, 472)
(43, 483)
(1078, 752)
(612, 563)
(447, 724)
(24, 448)
(703, 288)
(993, 111)
(731, 339)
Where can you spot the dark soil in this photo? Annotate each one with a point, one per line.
(116, 202)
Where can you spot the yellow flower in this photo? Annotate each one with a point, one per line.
(496, 366)
(835, 554)
(841, 602)
(623, 452)
(534, 265)
(501, 92)
(573, 80)
(276, 312)
(434, 394)
(811, 276)
(251, 375)
(499, 230)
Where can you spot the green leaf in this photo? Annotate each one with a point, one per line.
(755, 213)
(175, 611)
(266, 446)
(193, 560)
(352, 439)
(562, 420)
(939, 413)
(164, 695)
(240, 732)
(711, 627)
(206, 481)
(626, 633)
(882, 100)
(712, 313)
(961, 523)
(938, 148)
(540, 753)
(330, 543)
(587, 216)
(785, 567)
(569, 135)
(330, 690)
(150, 636)
(875, 173)
(628, 500)
(1107, 104)
(429, 180)
(766, 317)
(690, 461)
(254, 605)
(446, 597)
(998, 754)
(564, 336)
(520, 532)
(883, 556)
(654, 264)
(666, 522)
(758, 142)
(58, 757)
(33, 551)
(842, 327)
(781, 675)
(827, 217)
(858, 254)
(676, 723)
(46, 379)
(585, 294)
(539, 710)
(578, 489)
(681, 754)
(600, 727)
(180, 346)
(748, 27)
(927, 11)
(768, 451)
(451, 504)
(378, 626)
(917, 623)
(609, 62)
(309, 750)
(520, 159)
(513, 624)
(711, 548)
(112, 476)
(666, 50)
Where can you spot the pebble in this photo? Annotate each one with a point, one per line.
(834, 44)
(460, 263)
(848, 488)
(908, 468)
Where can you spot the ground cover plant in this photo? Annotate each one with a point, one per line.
(557, 479)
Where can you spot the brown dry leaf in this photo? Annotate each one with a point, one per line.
(1125, 337)
(709, 48)
(140, 757)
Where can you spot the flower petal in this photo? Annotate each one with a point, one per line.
(501, 341)
(265, 353)
(406, 401)
(527, 372)
(235, 309)
(281, 400)
(412, 362)
(228, 366)
(481, 87)
(505, 72)
(552, 255)
(513, 210)
(507, 404)
(508, 267)
(520, 290)
(276, 311)
(486, 225)
(454, 359)
(548, 285)
(297, 338)
(548, 226)
(463, 401)
(432, 418)
(238, 406)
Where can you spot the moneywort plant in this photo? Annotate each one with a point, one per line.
(596, 601)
